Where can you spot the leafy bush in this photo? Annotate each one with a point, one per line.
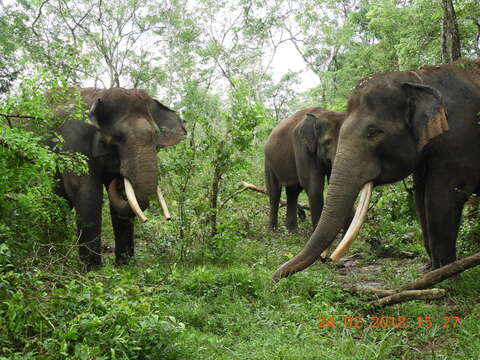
(28, 169)
(85, 320)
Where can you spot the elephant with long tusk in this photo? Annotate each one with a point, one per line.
(126, 129)
(423, 122)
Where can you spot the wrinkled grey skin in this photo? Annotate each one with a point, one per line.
(424, 122)
(298, 155)
(127, 128)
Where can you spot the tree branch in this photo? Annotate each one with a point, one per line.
(247, 186)
(416, 290)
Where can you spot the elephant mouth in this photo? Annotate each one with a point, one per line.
(122, 197)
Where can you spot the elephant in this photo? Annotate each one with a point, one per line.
(120, 143)
(298, 155)
(423, 122)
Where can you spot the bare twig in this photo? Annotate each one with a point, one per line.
(10, 116)
(46, 319)
(38, 17)
(247, 186)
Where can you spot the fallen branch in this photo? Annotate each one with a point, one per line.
(264, 191)
(409, 295)
(415, 290)
(438, 275)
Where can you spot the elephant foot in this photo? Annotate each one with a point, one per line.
(292, 229)
(92, 262)
(124, 261)
(91, 267)
(273, 227)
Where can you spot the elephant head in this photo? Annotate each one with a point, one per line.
(132, 126)
(389, 122)
(318, 132)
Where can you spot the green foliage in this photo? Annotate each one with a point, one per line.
(393, 226)
(205, 167)
(86, 319)
(28, 173)
(201, 288)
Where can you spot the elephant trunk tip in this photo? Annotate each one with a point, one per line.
(130, 206)
(296, 264)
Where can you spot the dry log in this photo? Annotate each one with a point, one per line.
(409, 295)
(252, 187)
(415, 289)
(438, 275)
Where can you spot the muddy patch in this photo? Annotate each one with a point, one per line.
(355, 270)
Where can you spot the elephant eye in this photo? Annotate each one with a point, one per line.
(118, 139)
(373, 132)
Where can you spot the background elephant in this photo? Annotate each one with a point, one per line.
(127, 127)
(298, 155)
(397, 124)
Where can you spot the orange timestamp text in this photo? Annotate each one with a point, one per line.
(387, 322)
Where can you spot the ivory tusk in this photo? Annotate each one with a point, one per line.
(163, 204)
(356, 224)
(324, 254)
(132, 200)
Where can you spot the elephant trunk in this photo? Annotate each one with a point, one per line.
(129, 207)
(346, 182)
(140, 179)
(356, 224)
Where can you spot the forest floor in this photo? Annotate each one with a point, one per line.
(163, 307)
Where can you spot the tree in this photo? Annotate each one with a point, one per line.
(97, 41)
(451, 49)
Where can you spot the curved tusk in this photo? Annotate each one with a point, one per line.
(132, 200)
(356, 224)
(324, 254)
(163, 204)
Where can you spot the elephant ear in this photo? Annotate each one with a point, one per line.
(104, 113)
(426, 113)
(95, 113)
(307, 132)
(100, 141)
(170, 126)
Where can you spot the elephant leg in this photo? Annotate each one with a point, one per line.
(274, 192)
(443, 212)
(419, 195)
(315, 200)
(123, 231)
(314, 188)
(292, 200)
(88, 206)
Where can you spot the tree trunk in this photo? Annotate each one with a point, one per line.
(451, 49)
(212, 217)
(477, 38)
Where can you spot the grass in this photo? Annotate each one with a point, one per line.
(226, 307)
